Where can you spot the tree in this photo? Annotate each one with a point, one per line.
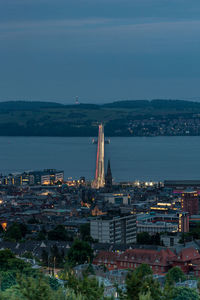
(16, 232)
(183, 293)
(45, 258)
(88, 287)
(133, 286)
(152, 286)
(28, 254)
(143, 238)
(54, 284)
(7, 280)
(168, 291)
(145, 296)
(175, 274)
(79, 253)
(35, 289)
(140, 281)
(59, 233)
(146, 239)
(56, 257)
(41, 236)
(85, 232)
(143, 270)
(12, 293)
(5, 256)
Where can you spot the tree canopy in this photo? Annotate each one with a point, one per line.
(174, 275)
(79, 253)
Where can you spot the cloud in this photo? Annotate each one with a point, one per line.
(107, 34)
(99, 47)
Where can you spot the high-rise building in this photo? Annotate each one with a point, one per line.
(183, 221)
(190, 202)
(114, 230)
(99, 180)
(108, 179)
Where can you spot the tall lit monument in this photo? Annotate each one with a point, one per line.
(99, 180)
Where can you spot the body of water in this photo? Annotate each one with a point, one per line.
(141, 158)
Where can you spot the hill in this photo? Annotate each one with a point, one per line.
(121, 118)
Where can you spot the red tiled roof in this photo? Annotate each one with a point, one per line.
(187, 254)
(106, 255)
(152, 257)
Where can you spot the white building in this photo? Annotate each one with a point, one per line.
(153, 228)
(117, 230)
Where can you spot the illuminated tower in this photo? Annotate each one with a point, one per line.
(99, 180)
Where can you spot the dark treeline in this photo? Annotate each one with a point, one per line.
(121, 118)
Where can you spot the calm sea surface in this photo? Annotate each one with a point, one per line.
(156, 158)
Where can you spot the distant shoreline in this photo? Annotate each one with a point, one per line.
(140, 118)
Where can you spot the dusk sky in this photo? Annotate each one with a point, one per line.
(99, 50)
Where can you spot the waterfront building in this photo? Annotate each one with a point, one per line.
(45, 177)
(182, 184)
(116, 230)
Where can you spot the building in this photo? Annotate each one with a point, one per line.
(190, 202)
(159, 260)
(99, 180)
(116, 230)
(108, 179)
(181, 219)
(117, 198)
(157, 227)
(182, 184)
(45, 177)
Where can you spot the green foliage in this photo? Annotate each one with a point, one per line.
(145, 238)
(79, 253)
(175, 274)
(88, 287)
(7, 280)
(146, 296)
(183, 293)
(12, 293)
(152, 286)
(41, 236)
(57, 257)
(35, 288)
(140, 282)
(85, 232)
(54, 284)
(168, 291)
(143, 270)
(89, 270)
(59, 233)
(16, 232)
(8, 261)
(28, 255)
(5, 256)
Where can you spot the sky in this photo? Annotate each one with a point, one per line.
(99, 50)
